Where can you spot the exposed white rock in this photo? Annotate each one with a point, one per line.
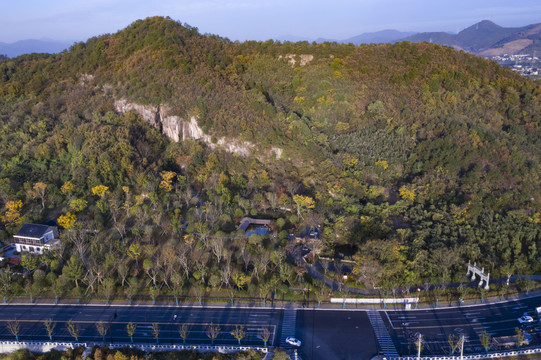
(86, 78)
(277, 152)
(175, 128)
(191, 130)
(303, 59)
(148, 112)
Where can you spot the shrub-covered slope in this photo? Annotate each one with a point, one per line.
(414, 156)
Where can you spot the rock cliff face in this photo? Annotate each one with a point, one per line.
(177, 128)
(150, 114)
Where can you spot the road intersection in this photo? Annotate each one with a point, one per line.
(326, 333)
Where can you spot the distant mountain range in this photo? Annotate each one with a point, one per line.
(484, 38)
(383, 36)
(487, 39)
(33, 46)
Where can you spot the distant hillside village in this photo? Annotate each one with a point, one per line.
(525, 64)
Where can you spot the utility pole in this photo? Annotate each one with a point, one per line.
(461, 345)
(419, 340)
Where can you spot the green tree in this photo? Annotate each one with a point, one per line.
(38, 191)
(154, 292)
(183, 332)
(486, 340)
(178, 281)
(5, 283)
(108, 288)
(14, 328)
(212, 332)
(49, 327)
(156, 332)
(454, 342)
(264, 334)
(238, 333)
(520, 337)
(73, 270)
(29, 262)
(102, 329)
(303, 203)
(134, 251)
(130, 329)
(73, 329)
(78, 205)
(240, 279)
(131, 290)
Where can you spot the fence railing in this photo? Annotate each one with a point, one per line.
(492, 355)
(46, 346)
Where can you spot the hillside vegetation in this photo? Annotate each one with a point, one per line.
(412, 159)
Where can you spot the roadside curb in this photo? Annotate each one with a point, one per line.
(258, 307)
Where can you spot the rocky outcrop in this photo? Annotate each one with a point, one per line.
(302, 58)
(172, 126)
(176, 128)
(149, 113)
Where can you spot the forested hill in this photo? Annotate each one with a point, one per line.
(416, 157)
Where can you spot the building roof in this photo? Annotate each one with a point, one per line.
(246, 222)
(35, 231)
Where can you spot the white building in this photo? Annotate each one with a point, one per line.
(34, 238)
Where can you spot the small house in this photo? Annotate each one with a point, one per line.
(262, 226)
(34, 238)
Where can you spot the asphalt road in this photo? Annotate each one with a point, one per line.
(116, 318)
(326, 334)
(498, 319)
(335, 334)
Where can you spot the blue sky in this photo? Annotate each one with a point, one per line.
(70, 20)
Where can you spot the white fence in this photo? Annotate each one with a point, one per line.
(38, 346)
(374, 301)
(43, 347)
(201, 348)
(495, 355)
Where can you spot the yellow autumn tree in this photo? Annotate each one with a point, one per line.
(100, 190)
(383, 164)
(67, 188)
(67, 221)
(12, 213)
(303, 203)
(407, 193)
(167, 179)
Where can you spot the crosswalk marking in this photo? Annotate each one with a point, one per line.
(289, 320)
(385, 341)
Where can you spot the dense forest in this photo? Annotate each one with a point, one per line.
(410, 160)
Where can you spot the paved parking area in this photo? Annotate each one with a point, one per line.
(334, 334)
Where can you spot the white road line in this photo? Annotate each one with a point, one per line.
(388, 318)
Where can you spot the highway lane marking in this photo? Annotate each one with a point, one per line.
(455, 325)
(390, 322)
(440, 319)
(138, 323)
